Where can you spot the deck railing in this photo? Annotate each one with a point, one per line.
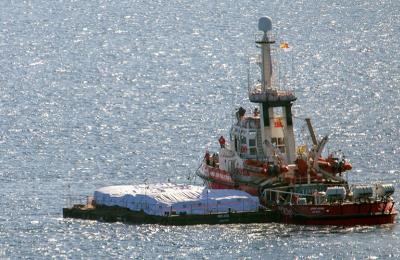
(323, 187)
(80, 200)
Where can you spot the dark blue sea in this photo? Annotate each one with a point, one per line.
(98, 92)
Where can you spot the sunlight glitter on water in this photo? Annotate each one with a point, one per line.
(97, 93)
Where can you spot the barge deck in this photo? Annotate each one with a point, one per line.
(120, 214)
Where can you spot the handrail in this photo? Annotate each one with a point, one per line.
(264, 194)
(286, 192)
(72, 200)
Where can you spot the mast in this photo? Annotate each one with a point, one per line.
(265, 25)
(278, 134)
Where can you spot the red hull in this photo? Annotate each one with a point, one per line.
(339, 215)
(251, 190)
(218, 179)
(347, 214)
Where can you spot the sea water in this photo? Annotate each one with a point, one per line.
(96, 93)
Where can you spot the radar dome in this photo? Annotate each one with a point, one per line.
(265, 24)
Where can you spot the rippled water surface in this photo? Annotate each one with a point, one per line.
(97, 93)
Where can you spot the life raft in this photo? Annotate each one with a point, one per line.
(332, 165)
(253, 166)
(257, 168)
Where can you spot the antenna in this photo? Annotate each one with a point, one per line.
(233, 106)
(248, 75)
(265, 24)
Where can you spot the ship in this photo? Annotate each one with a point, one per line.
(261, 158)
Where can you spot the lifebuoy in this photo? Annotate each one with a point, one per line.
(315, 194)
(295, 199)
(243, 149)
(241, 171)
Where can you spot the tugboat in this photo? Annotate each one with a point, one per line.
(262, 159)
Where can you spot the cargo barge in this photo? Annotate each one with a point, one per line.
(119, 214)
(170, 204)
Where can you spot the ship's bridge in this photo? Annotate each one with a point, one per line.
(245, 137)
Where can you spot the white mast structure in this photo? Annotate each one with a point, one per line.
(274, 99)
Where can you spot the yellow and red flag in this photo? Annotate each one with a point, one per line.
(286, 47)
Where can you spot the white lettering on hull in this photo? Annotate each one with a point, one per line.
(217, 174)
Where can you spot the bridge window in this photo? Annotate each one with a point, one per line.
(252, 142)
(279, 143)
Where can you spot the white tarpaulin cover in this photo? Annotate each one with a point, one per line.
(156, 199)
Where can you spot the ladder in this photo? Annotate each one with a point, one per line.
(260, 152)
